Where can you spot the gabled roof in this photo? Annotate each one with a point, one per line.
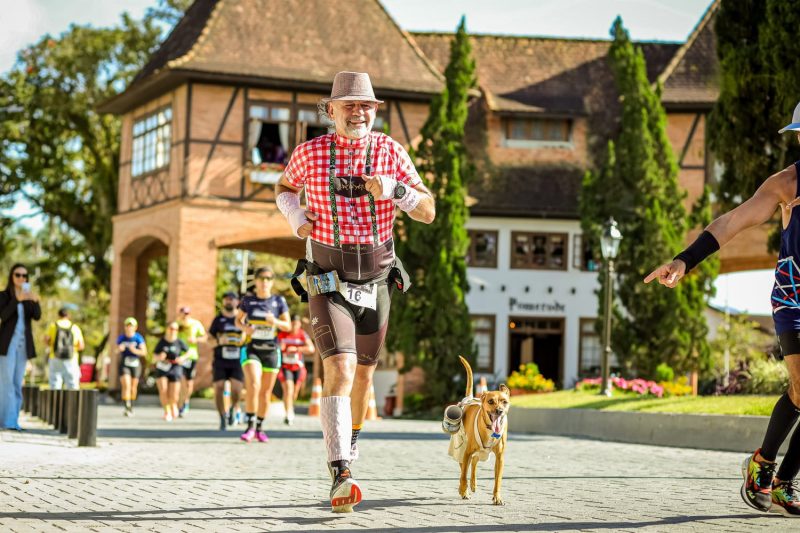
(296, 43)
(545, 191)
(540, 74)
(692, 77)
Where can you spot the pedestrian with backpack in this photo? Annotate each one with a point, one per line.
(65, 342)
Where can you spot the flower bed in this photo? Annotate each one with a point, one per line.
(643, 387)
(528, 380)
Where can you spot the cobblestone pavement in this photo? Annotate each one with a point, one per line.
(148, 475)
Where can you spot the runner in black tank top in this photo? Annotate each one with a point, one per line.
(763, 488)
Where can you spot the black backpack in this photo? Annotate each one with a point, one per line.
(65, 346)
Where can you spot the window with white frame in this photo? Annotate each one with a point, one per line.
(590, 358)
(483, 336)
(268, 137)
(152, 139)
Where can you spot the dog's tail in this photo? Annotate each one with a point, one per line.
(464, 362)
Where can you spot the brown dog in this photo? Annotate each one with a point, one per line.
(483, 430)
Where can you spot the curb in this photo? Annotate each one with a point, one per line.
(731, 433)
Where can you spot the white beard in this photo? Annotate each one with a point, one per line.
(357, 131)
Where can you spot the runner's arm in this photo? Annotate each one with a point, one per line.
(308, 349)
(287, 198)
(284, 322)
(777, 189)
(426, 209)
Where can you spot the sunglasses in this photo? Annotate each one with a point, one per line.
(18, 275)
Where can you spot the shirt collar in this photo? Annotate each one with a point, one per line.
(345, 142)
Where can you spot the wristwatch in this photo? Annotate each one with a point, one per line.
(399, 191)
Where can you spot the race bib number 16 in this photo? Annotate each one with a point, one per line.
(361, 295)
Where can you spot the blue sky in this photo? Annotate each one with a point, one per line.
(24, 21)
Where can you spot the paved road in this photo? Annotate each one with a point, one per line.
(147, 475)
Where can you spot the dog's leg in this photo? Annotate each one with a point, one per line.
(462, 485)
(498, 475)
(473, 478)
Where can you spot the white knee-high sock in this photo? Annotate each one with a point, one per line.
(337, 422)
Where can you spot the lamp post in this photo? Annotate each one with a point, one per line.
(609, 246)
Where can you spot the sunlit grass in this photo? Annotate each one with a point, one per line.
(625, 401)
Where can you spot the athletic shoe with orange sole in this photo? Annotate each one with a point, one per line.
(345, 493)
(757, 486)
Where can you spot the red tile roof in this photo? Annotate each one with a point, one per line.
(540, 74)
(292, 42)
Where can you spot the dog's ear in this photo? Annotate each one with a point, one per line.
(504, 389)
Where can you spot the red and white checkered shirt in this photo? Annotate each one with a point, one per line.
(309, 168)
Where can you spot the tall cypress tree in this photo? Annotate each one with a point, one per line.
(430, 323)
(636, 183)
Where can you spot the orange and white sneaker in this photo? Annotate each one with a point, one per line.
(345, 493)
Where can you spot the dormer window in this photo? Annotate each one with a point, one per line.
(522, 131)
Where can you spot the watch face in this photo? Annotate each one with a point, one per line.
(399, 191)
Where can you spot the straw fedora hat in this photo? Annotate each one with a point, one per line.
(352, 86)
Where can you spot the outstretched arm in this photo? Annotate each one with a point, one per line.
(777, 189)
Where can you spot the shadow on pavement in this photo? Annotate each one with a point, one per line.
(372, 505)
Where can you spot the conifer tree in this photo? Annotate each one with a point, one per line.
(636, 183)
(430, 323)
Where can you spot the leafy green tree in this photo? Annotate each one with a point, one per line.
(56, 151)
(431, 323)
(636, 183)
(759, 88)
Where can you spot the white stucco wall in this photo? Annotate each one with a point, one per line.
(568, 294)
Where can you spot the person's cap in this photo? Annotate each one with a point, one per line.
(230, 294)
(63, 311)
(185, 309)
(795, 124)
(352, 86)
(130, 321)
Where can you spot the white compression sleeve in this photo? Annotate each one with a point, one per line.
(409, 201)
(289, 204)
(337, 426)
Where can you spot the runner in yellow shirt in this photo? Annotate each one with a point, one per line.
(192, 333)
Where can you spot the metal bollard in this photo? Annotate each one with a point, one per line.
(48, 404)
(64, 413)
(40, 408)
(35, 401)
(87, 418)
(54, 412)
(25, 396)
(72, 413)
(51, 406)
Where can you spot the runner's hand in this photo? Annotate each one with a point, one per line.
(305, 230)
(381, 188)
(668, 274)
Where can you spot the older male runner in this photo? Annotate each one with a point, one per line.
(354, 179)
(763, 488)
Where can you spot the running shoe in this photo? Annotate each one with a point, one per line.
(223, 423)
(231, 417)
(128, 411)
(248, 435)
(345, 492)
(168, 417)
(261, 436)
(785, 500)
(757, 485)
